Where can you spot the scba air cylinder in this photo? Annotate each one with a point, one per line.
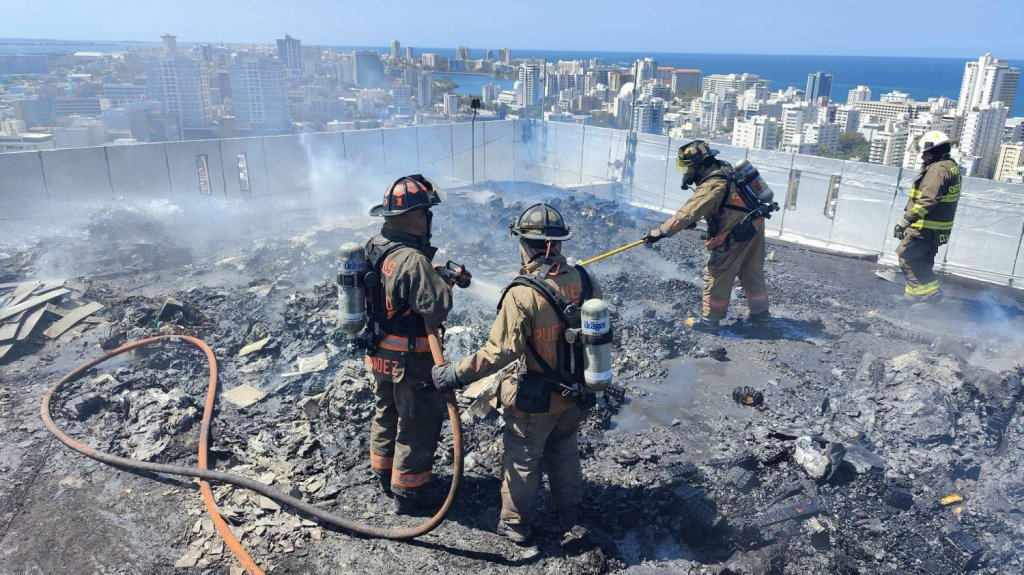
(596, 328)
(748, 176)
(351, 292)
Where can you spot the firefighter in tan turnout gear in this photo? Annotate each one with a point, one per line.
(406, 294)
(542, 416)
(928, 218)
(735, 241)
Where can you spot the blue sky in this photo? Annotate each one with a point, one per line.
(858, 27)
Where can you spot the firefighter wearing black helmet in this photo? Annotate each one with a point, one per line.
(410, 410)
(928, 218)
(541, 423)
(717, 200)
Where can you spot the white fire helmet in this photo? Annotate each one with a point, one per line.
(931, 139)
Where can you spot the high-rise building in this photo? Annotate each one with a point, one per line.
(648, 115)
(646, 70)
(182, 84)
(687, 80)
(462, 53)
(396, 49)
(425, 89)
(819, 85)
(794, 116)
(409, 53)
(1011, 160)
(489, 55)
(289, 50)
(505, 55)
(760, 132)
(401, 96)
(858, 94)
(888, 146)
(368, 69)
(980, 139)
(988, 80)
(531, 88)
(490, 93)
(451, 104)
(258, 95)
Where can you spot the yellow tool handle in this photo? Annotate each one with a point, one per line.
(612, 253)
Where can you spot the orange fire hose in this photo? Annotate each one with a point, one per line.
(204, 474)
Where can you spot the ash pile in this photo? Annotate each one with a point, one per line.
(827, 442)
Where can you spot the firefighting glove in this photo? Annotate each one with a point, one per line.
(654, 236)
(444, 377)
(901, 229)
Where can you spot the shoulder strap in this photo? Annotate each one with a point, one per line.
(588, 286)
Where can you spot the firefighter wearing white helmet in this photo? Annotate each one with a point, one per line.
(928, 218)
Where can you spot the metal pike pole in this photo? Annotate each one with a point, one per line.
(612, 253)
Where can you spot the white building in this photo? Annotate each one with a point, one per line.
(648, 115)
(759, 132)
(182, 84)
(531, 88)
(858, 94)
(822, 134)
(1011, 159)
(981, 136)
(451, 105)
(646, 70)
(848, 118)
(794, 116)
(258, 94)
(889, 145)
(986, 81)
(737, 82)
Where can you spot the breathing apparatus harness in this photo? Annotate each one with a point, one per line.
(757, 200)
(378, 324)
(567, 377)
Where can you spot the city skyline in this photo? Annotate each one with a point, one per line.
(988, 27)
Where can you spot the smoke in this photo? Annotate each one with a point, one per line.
(338, 187)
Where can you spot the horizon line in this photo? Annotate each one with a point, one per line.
(596, 51)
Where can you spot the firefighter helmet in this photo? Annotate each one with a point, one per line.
(408, 193)
(931, 140)
(540, 222)
(693, 154)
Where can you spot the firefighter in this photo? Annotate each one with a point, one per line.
(717, 200)
(410, 410)
(541, 423)
(928, 218)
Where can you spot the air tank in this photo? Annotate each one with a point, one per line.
(596, 328)
(351, 289)
(748, 176)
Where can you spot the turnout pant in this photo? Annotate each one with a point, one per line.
(917, 252)
(405, 430)
(533, 439)
(743, 259)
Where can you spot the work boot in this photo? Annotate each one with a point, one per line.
(424, 502)
(518, 534)
(384, 481)
(703, 324)
(759, 317)
(567, 518)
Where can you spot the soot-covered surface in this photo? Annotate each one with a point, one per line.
(883, 439)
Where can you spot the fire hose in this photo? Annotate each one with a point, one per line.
(205, 475)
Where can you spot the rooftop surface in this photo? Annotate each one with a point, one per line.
(678, 475)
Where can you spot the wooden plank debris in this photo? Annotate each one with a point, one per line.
(4, 349)
(30, 303)
(73, 317)
(243, 395)
(9, 331)
(29, 325)
(253, 347)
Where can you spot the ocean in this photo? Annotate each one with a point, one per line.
(922, 78)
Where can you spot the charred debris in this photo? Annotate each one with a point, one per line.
(846, 436)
